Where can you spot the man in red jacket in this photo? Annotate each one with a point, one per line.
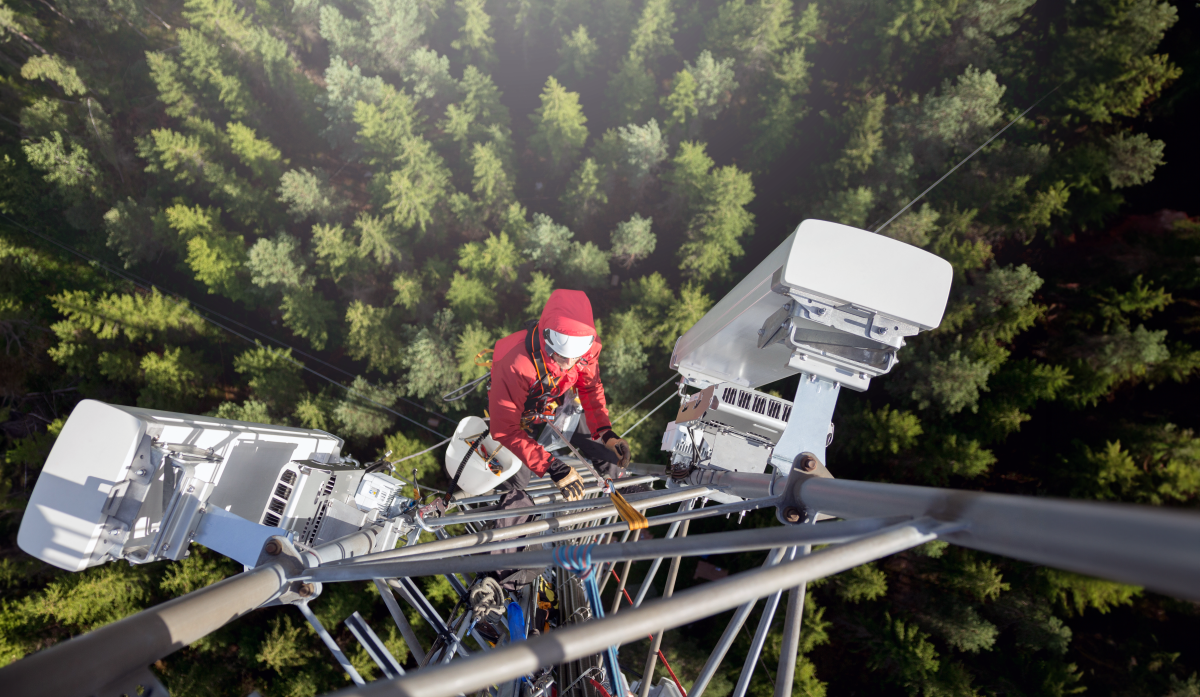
(535, 367)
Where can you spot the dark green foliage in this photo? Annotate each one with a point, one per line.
(347, 177)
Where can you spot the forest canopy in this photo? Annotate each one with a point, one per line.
(318, 212)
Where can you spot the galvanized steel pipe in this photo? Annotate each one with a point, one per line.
(87, 663)
(713, 543)
(587, 639)
(661, 498)
(1152, 547)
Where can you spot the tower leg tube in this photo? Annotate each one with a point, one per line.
(735, 625)
(98, 658)
(656, 643)
(330, 643)
(685, 506)
(790, 647)
(760, 636)
(406, 630)
(791, 641)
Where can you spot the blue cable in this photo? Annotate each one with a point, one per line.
(578, 559)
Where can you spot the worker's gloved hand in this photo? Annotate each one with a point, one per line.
(618, 445)
(566, 479)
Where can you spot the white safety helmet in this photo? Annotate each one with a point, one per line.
(567, 346)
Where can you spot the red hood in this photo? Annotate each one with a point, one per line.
(569, 312)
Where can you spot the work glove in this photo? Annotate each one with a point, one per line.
(566, 479)
(618, 445)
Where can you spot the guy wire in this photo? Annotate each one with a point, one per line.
(968, 157)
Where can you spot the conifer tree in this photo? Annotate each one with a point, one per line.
(633, 240)
(584, 195)
(578, 54)
(474, 37)
(560, 125)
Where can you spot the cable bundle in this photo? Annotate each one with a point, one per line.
(578, 560)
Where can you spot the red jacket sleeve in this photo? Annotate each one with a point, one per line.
(506, 402)
(591, 396)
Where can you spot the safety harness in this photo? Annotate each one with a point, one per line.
(538, 403)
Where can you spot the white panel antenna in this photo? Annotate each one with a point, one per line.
(831, 301)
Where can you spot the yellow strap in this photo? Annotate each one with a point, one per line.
(481, 361)
(628, 513)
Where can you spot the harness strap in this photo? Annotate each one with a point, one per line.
(463, 465)
(543, 388)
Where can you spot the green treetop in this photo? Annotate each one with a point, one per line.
(560, 125)
(633, 240)
(474, 38)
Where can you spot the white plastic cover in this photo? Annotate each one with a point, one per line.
(93, 453)
(477, 478)
(837, 262)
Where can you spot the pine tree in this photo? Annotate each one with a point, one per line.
(376, 239)
(345, 87)
(358, 416)
(583, 195)
(491, 184)
(560, 125)
(644, 148)
(274, 263)
(308, 313)
(382, 40)
(273, 376)
(216, 257)
(633, 240)
(631, 91)
(309, 194)
(474, 39)
(715, 232)
(681, 103)
(369, 336)
(578, 54)
(714, 83)
(652, 35)
(427, 75)
(539, 289)
(750, 33)
(430, 358)
(546, 243)
(586, 265)
(1132, 159)
(173, 379)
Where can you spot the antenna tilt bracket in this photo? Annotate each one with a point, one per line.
(790, 510)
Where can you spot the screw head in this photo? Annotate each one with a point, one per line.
(273, 547)
(141, 473)
(808, 463)
(191, 489)
(305, 590)
(166, 546)
(792, 514)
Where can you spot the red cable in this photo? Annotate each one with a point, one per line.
(599, 686)
(661, 657)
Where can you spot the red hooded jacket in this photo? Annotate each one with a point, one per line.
(513, 374)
